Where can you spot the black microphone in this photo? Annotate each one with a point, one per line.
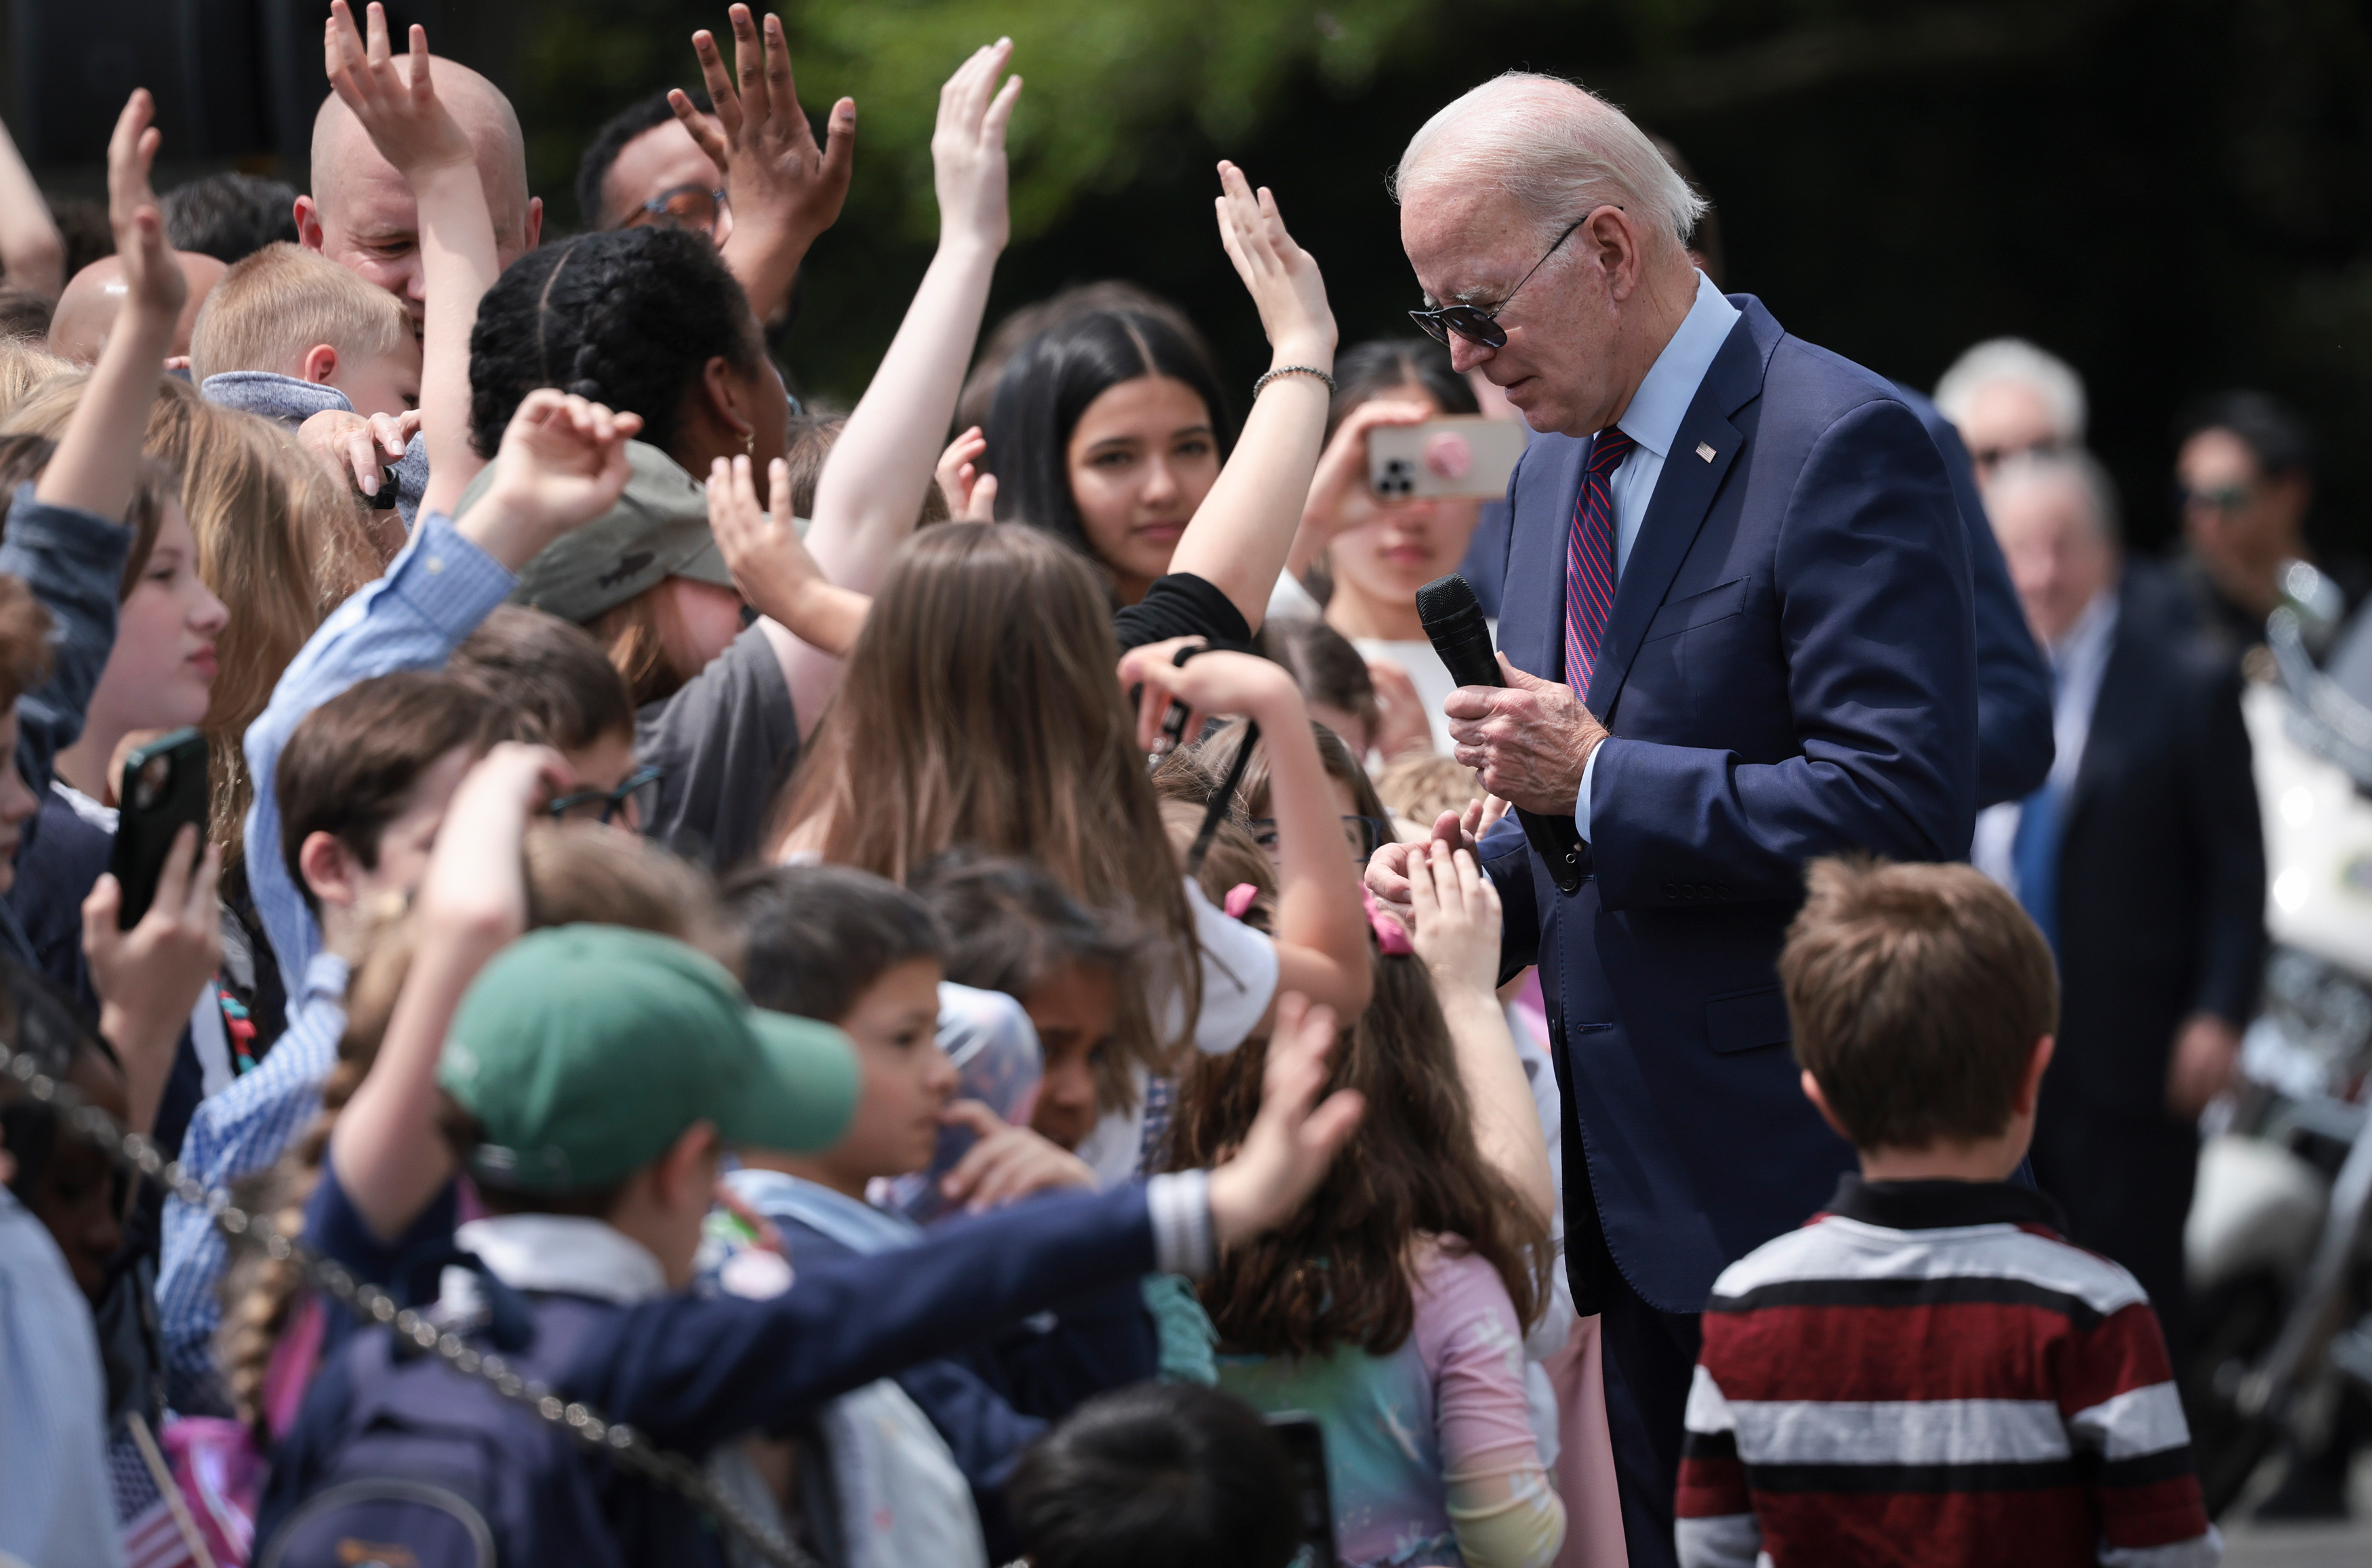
(1455, 624)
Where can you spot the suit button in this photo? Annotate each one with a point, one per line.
(1671, 891)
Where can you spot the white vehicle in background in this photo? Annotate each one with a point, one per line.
(2276, 1243)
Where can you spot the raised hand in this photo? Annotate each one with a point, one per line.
(785, 190)
(1210, 684)
(562, 463)
(1341, 498)
(152, 280)
(770, 565)
(1286, 1153)
(355, 446)
(970, 494)
(1391, 868)
(394, 99)
(1457, 910)
(1282, 277)
(148, 978)
(968, 149)
(1008, 1163)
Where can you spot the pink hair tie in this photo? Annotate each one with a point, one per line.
(1239, 899)
(1390, 934)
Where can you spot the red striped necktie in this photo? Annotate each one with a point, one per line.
(1589, 559)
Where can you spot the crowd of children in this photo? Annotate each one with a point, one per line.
(836, 1034)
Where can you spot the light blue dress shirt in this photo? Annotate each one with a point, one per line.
(1653, 420)
(233, 1135)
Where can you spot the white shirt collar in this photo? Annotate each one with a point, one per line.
(564, 1253)
(1653, 420)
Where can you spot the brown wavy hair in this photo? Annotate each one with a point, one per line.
(1339, 1274)
(280, 542)
(981, 710)
(576, 873)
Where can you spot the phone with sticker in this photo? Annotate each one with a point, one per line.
(1464, 455)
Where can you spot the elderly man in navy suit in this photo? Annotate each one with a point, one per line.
(1738, 634)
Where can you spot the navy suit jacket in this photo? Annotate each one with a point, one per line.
(1789, 671)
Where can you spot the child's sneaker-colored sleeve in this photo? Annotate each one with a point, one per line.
(1715, 1526)
(2118, 1400)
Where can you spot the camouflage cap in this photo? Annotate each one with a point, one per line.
(658, 529)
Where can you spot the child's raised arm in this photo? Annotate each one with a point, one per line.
(1458, 936)
(30, 245)
(784, 190)
(811, 623)
(100, 452)
(1322, 928)
(396, 102)
(472, 903)
(873, 483)
(1240, 536)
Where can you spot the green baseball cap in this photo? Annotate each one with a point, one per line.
(658, 529)
(585, 1051)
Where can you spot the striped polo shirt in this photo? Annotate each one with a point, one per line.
(1926, 1373)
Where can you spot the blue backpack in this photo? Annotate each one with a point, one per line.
(398, 1458)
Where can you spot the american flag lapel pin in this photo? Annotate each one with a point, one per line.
(1704, 450)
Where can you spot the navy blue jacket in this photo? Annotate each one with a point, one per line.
(690, 1372)
(1789, 671)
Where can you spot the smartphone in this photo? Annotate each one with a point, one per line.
(164, 785)
(1462, 455)
(1305, 1441)
(383, 499)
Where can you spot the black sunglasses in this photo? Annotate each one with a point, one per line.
(1480, 326)
(682, 206)
(636, 796)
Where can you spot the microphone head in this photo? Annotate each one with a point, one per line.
(1444, 598)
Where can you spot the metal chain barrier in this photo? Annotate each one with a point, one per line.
(624, 1445)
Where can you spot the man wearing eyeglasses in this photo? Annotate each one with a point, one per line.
(1739, 634)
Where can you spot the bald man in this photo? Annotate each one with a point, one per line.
(360, 213)
(87, 308)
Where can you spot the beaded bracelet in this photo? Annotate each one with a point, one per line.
(1261, 385)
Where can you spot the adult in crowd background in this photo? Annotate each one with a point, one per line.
(1745, 554)
(229, 217)
(2013, 681)
(2143, 862)
(93, 298)
(2244, 474)
(2007, 397)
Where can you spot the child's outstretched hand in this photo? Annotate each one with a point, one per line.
(148, 978)
(562, 463)
(1216, 683)
(770, 565)
(1282, 277)
(1286, 1155)
(1008, 1164)
(394, 99)
(970, 494)
(475, 882)
(152, 279)
(1458, 920)
(968, 166)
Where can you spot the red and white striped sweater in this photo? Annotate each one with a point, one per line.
(1927, 1373)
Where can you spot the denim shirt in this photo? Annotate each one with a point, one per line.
(73, 561)
(433, 596)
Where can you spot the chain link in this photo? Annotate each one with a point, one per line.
(624, 1445)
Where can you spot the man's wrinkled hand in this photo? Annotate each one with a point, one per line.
(1528, 740)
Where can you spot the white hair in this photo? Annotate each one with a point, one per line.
(2014, 359)
(2069, 466)
(1557, 148)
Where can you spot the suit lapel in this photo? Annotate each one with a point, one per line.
(1684, 493)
